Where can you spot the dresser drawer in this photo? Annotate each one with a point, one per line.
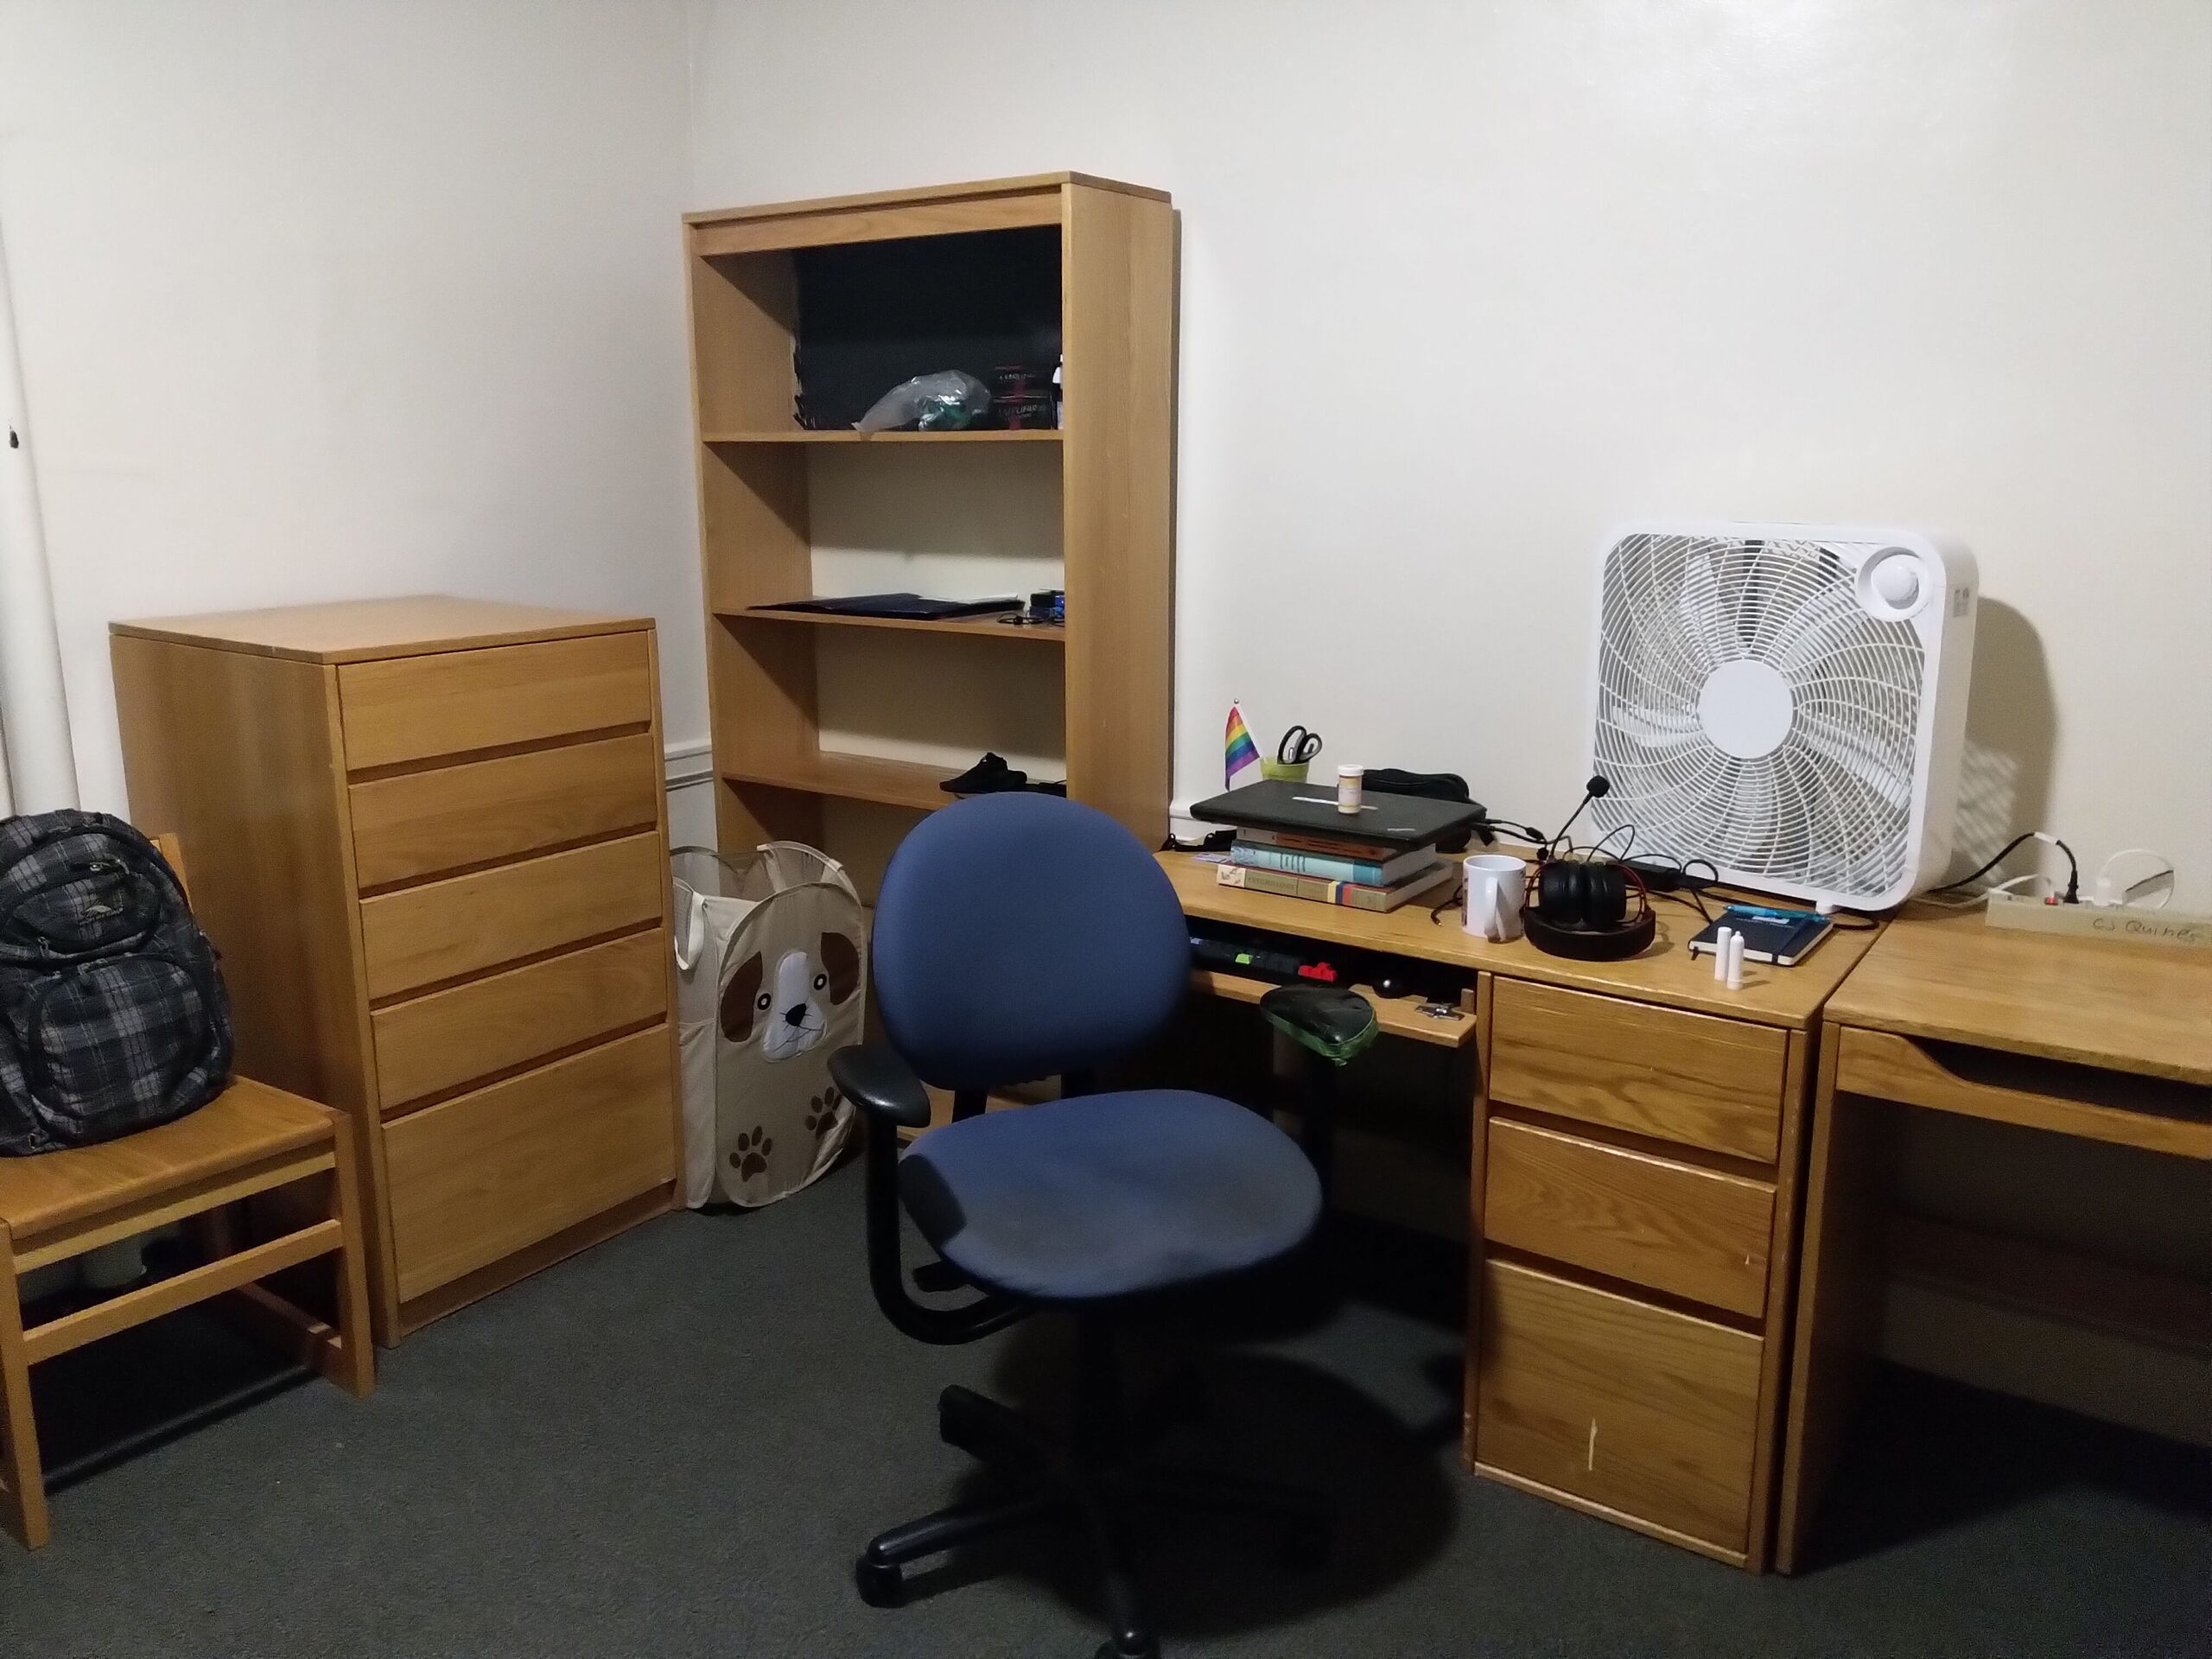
(431, 1044)
(1643, 1411)
(408, 709)
(475, 1179)
(1691, 1078)
(422, 824)
(465, 923)
(1653, 1221)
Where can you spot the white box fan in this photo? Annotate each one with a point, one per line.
(1786, 700)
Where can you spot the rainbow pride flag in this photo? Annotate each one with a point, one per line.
(1240, 756)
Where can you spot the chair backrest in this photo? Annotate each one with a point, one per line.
(1021, 936)
(171, 848)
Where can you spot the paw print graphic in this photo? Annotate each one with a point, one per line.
(822, 1116)
(749, 1157)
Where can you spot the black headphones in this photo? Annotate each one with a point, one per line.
(1581, 904)
(1582, 910)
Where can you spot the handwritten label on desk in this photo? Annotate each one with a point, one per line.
(2114, 922)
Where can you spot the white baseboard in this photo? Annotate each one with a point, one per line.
(690, 761)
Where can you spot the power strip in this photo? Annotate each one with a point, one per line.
(2118, 923)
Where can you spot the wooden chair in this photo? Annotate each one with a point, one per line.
(293, 1159)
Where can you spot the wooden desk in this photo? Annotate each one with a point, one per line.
(1632, 1208)
(1666, 975)
(2079, 1037)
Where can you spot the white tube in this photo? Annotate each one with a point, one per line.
(33, 708)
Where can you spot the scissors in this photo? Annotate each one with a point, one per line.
(1298, 747)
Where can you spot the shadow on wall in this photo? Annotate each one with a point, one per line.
(2012, 734)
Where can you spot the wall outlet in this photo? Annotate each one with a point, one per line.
(2113, 922)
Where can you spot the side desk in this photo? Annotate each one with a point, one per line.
(1632, 1206)
(2068, 1036)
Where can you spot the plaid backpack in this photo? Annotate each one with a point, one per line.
(112, 1017)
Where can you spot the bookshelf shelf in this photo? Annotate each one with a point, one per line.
(808, 311)
(1039, 435)
(981, 628)
(850, 778)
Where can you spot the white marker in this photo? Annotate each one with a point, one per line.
(1735, 962)
(1720, 952)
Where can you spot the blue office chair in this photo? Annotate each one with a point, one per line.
(1021, 937)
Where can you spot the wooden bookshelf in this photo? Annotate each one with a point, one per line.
(793, 308)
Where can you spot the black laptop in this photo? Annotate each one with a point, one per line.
(1407, 821)
(906, 607)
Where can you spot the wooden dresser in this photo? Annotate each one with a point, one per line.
(429, 837)
(1632, 1206)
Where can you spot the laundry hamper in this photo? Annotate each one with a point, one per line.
(770, 959)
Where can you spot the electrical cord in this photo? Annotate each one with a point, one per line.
(1597, 848)
(2124, 897)
(1534, 837)
(1689, 898)
(2073, 895)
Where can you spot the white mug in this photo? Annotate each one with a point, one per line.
(1495, 885)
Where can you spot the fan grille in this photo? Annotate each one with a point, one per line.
(1830, 806)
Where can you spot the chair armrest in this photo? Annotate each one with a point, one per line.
(881, 1083)
(884, 1087)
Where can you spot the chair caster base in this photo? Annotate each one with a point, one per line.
(1094, 1476)
(881, 1582)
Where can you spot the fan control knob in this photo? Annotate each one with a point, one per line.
(1898, 580)
(1893, 584)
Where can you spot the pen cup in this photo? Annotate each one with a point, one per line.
(1283, 772)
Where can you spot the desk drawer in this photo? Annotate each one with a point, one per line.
(1671, 1226)
(465, 923)
(421, 823)
(475, 1179)
(1691, 1078)
(432, 1043)
(1645, 1411)
(409, 708)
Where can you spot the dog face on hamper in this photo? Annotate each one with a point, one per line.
(790, 1012)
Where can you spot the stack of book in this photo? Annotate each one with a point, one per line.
(1335, 869)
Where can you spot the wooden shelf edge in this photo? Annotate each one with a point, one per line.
(990, 434)
(851, 778)
(934, 192)
(1401, 1017)
(985, 626)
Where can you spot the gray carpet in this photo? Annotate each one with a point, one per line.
(674, 1444)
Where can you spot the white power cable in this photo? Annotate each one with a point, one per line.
(2110, 891)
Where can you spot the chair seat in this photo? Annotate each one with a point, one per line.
(248, 1122)
(1109, 1195)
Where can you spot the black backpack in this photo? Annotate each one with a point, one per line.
(112, 1016)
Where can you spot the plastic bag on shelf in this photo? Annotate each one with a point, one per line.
(945, 401)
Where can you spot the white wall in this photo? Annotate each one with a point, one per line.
(351, 297)
(378, 295)
(1464, 285)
